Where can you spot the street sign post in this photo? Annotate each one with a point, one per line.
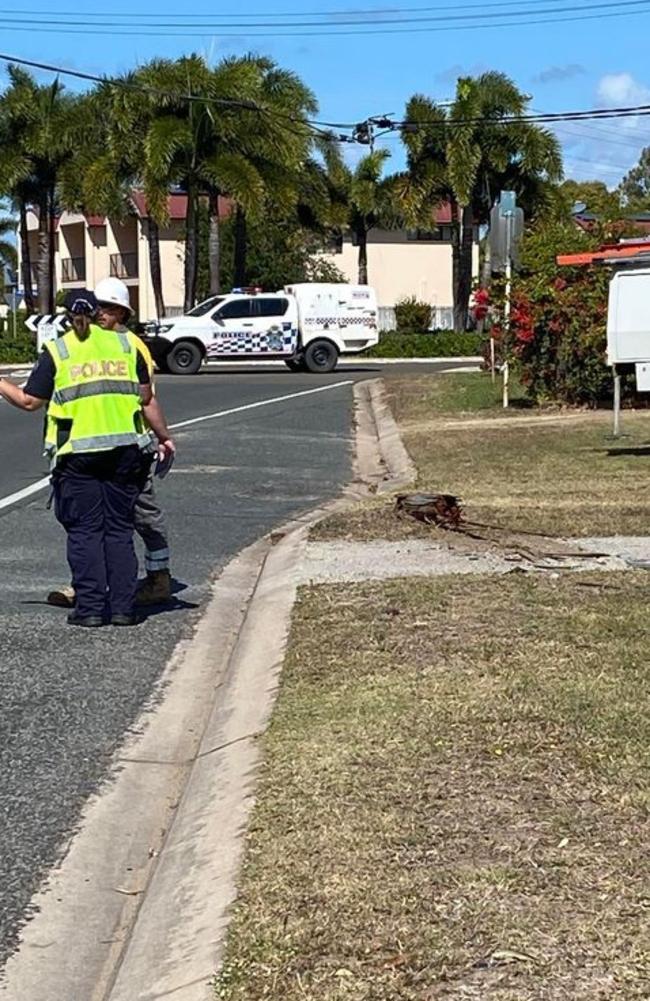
(47, 327)
(506, 230)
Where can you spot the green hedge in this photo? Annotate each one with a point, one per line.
(18, 349)
(437, 343)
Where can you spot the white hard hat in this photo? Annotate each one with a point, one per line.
(114, 291)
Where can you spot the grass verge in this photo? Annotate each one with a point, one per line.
(534, 470)
(454, 798)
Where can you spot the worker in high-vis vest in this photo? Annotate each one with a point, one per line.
(113, 312)
(97, 390)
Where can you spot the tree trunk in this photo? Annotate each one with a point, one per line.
(214, 247)
(153, 241)
(43, 265)
(241, 248)
(26, 260)
(362, 239)
(191, 247)
(486, 270)
(463, 251)
(51, 238)
(455, 265)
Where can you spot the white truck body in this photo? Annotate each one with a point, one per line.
(306, 325)
(628, 317)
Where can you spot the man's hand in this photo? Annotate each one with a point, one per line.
(166, 456)
(166, 450)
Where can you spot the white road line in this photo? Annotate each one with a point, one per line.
(34, 488)
(39, 485)
(260, 403)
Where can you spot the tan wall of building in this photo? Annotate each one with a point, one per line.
(398, 268)
(172, 263)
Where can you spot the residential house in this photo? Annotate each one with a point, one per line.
(408, 262)
(401, 263)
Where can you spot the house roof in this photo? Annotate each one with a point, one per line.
(628, 252)
(176, 205)
(443, 214)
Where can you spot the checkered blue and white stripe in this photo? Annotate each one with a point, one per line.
(248, 343)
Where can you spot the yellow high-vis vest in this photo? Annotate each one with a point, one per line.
(96, 404)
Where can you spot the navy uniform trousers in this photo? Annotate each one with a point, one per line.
(95, 495)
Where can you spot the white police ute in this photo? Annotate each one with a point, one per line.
(308, 326)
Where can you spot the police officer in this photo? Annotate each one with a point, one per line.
(96, 386)
(114, 311)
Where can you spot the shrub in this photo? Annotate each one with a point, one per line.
(557, 335)
(412, 316)
(18, 349)
(441, 343)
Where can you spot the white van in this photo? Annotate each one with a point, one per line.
(307, 326)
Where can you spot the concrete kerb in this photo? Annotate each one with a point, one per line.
(138, 909)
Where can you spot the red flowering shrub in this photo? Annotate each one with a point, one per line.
(557, 335)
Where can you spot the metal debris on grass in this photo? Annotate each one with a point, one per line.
(445, 511)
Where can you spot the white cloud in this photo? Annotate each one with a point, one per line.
(622, 88)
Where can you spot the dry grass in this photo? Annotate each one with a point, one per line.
(455, 799)
(543, 471)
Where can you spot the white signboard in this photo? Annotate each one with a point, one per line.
(47, 327)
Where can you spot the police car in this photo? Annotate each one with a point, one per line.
(308, 326)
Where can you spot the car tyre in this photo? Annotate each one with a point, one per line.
(321, 356)
(185, 358)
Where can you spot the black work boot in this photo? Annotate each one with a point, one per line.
(88, 621)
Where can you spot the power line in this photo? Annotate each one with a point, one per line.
(381, 122)
(345, 14)
(126, 30)
(115, 21)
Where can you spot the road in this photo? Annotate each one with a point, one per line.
(68, 696)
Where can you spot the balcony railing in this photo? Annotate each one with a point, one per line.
(124, 265)
(73, 269)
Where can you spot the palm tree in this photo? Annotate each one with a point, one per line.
(37, 134)
(195, 143)
(112, 165)
(275, 152)
(364, 192)
(465, 154)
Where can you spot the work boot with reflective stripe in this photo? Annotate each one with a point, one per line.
(156, 589)
(63, 597)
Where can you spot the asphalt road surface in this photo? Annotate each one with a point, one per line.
(69, 696)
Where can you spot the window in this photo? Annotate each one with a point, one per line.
(205, 306)
(236, 309)
(441, 234)
(271, 307)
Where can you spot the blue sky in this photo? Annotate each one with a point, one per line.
(570, 65)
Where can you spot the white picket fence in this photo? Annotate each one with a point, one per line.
(442, 318)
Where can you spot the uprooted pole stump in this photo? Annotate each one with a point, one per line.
(433, 509)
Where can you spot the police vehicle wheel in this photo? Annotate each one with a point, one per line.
(321, 356)
(184, 358)
(295, 364)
